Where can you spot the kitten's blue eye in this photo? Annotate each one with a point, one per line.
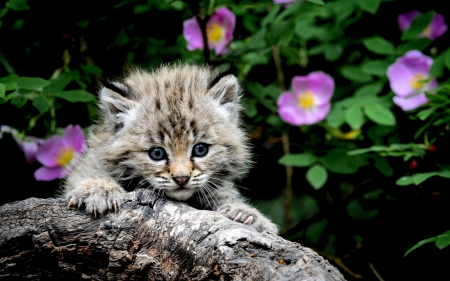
(200, 150)
(157, 153)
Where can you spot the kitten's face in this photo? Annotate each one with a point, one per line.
(177, 133)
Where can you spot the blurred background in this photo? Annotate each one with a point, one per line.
(361, 187)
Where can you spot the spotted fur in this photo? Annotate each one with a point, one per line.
(176, 108)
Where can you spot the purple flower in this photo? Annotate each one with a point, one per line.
(309, 102)
(436, 28)
(58, 152)
(408, 77)
(219, 31)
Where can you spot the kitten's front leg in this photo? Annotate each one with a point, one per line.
(98, 195)
(243, 213)
(90, 185)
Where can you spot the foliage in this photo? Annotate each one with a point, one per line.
(346, 174)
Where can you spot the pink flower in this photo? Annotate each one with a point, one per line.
(219, 31)
(58, 152)
(309, 102)
(408, 77)
(436, 28)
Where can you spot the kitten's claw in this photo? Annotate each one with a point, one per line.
(247, 215)
(249, 220)
(114, 204)
(95, 212)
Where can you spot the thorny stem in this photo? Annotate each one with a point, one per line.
(286, 145)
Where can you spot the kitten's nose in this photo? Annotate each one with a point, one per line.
(181, 180)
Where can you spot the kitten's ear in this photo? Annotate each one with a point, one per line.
(115, 103)
(225, 89)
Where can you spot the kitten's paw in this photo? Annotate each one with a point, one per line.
(248, 215)
(97, 195)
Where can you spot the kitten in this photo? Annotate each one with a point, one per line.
(176, 131)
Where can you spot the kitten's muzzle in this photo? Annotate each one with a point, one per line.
(181, 180)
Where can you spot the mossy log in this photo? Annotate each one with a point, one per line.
(43, 239)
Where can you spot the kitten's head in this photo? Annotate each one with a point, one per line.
(178, 127)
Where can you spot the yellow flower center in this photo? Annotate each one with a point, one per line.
(353, 134)
(417, 81)
(426, 32)
(214, 32)
(64, 156)
(306, 100)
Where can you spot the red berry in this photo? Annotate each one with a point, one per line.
(413, 164)
(432, 148)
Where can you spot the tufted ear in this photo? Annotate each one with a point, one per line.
(115, 104)
(226, 89)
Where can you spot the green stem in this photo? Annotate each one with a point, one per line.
(286, 145)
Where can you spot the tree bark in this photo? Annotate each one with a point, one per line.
(42, 239)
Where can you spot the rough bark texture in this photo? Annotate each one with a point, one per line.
(41, 239)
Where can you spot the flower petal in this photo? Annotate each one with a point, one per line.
(48, 151)
(227, 21)
(437, 26)
(30, 150)
(316, 115)
(291, 114)
(287, 99)
(192, 34)
(410, 103)
(47, 174)
(399, 79)
(404, 20)
(321, 84)
(74, 136)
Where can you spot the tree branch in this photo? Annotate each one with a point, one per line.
(145, 240)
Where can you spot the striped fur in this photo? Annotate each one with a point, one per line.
(174, 108)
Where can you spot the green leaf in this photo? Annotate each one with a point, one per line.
(415, 44)
(353, 73)
(424, 114)
(354, 117)
(404, 181)
(336, 117)
(60, 83)
(370, 6)
(375, 67)
(75, 96)
(437, 69)
(379, 45)
(382, 164)
(421, 177)
(444, 174)
(42, 104)
(17, 5)
(447, 58)
(356, 211)
(338, 161)
(369, 90)
(317, 176)
(417, 26)
(2, 90)
(318, 2)
(379, 114)
(18, 101)
(271, 15)
(421, 243)
(29, 83)
(297, 160)
(281, 33)
(91, 69)
(443, 240)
